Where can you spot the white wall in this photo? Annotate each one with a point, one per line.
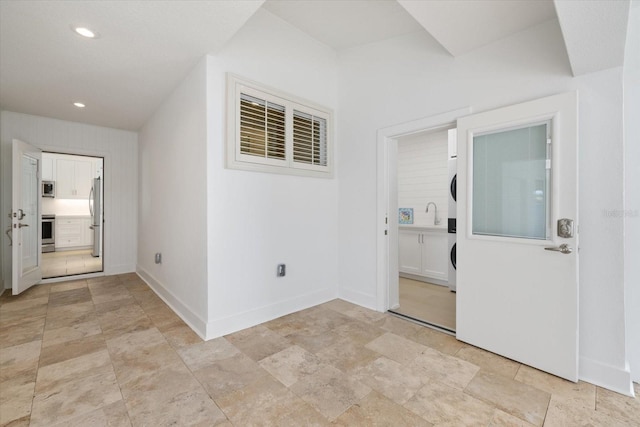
(257, 220)
(120, 150)
(632, 189)
(173, 199)
(412, 82)
(423, 176)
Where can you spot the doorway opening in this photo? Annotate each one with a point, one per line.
(72, 215)
(426, 286)
(413, 210)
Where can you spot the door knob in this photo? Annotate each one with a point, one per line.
(563, 248)
(20, 225)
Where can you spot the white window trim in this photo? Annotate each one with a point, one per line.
(236, 160)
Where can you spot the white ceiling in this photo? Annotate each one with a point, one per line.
(594, 33)
(346, 23)
(464, 25)
(147, 47)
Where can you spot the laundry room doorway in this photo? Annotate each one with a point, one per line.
(414, 280)
(426, 283)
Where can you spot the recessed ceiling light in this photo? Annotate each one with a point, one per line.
(79, 104)
(85, 32)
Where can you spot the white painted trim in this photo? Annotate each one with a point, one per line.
(358, 298)
(194, 321)
(607, 376)
(108, 172)
(219, 327)
(384, 250)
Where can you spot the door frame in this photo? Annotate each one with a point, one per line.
(386, 181)
(18, 150)
(106, 187)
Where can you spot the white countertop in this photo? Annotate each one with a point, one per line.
(73, 216)
(419, 227)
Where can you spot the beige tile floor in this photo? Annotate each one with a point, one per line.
(108, 352)
(427, 302)
(67, 263)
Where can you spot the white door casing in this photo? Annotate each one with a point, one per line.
(26, 219)
(515, 298)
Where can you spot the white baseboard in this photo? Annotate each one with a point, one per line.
(219, 327)
(606, 376)
(192, 319)
(358, 298)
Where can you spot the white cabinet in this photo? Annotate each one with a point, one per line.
(48, 168)
(410, 251)
(73, 178)
(423, 252)
(73, 232)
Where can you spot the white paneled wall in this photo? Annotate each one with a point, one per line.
(120, 151)
(423, 175)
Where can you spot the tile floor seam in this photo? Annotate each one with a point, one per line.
(117, 380)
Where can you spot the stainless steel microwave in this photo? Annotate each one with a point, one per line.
(48, 189)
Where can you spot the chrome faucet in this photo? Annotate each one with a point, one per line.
(436, 220)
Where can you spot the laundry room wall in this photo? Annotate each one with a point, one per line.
(423, 176)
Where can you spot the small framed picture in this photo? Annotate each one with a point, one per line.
(405, 215)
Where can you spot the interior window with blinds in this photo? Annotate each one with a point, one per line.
(309, 139)
(262, 128)
(270, 131)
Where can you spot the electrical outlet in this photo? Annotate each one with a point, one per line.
(282, 270)
(158, 258)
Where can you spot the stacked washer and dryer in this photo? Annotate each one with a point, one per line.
(453, 174)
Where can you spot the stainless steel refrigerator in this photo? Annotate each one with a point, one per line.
(95, 207)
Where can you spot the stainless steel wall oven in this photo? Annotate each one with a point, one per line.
(48, 233)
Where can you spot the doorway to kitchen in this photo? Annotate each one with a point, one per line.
(72, 215)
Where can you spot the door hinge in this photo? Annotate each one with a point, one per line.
(385, 232)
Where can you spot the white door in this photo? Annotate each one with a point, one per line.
(517, 270)
(26, 219)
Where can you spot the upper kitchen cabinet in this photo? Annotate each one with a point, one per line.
(73, 178)
(48, 167)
